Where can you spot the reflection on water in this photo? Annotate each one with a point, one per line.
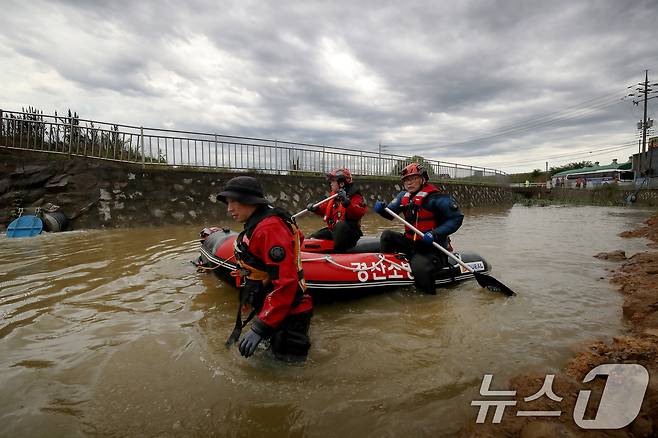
(114, 333)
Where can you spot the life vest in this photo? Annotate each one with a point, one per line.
(252, 273)
(414, 212)
(334, 211)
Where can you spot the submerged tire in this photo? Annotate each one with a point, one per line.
(55, 222)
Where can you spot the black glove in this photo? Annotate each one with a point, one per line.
(311, 207)
(342, 196)
(249, 343)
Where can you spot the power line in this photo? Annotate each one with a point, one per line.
(569, 158)
(581, 152)
(547, 123)
(565, 114)
(644, 91)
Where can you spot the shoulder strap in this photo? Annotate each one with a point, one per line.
(352, 189)
(264, 213)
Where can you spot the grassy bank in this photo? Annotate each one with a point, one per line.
(605, 195)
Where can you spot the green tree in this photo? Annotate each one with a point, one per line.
(576, 165)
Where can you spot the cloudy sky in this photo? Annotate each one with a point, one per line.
(508, 84)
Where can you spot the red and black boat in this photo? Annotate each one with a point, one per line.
(361, 269)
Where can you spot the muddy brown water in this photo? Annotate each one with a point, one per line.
(113, 333)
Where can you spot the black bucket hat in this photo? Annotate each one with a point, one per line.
(244, 189)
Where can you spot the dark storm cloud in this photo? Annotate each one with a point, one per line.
(423, 77)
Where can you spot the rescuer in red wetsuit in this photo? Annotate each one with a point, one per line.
(434, 213)
(270, 270)
(343, 213)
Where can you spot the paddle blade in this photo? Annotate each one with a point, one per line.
(488, 282)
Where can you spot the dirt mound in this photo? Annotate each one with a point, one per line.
(650, 231)
(613, 256)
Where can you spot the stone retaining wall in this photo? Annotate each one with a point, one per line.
(96, 194)
(602, 195)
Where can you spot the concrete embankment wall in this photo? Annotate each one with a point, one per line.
(605, 195)
(97, 194)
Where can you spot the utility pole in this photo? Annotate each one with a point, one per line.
(643, 92)
(644, 119)
(639, 158)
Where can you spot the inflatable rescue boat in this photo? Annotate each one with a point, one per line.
(361, 269)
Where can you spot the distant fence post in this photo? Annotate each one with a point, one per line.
(276, 153)
(70, 134)
(229, 151)
(141, 140)
(216, 161)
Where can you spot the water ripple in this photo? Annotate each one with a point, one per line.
(102, 329)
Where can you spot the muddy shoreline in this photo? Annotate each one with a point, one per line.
(637, 278)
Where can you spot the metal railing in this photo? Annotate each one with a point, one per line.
(149, 146)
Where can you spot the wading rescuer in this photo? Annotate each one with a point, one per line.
(270, 272)
(343, 213)
(434, 213)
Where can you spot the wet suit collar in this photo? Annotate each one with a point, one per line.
(258, 215)
(264, 212)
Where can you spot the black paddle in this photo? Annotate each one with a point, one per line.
(484, 280)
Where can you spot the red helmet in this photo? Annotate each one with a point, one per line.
(342, 174)
(414, 169)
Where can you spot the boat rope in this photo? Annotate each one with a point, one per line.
(201, 268)
(327, 258)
